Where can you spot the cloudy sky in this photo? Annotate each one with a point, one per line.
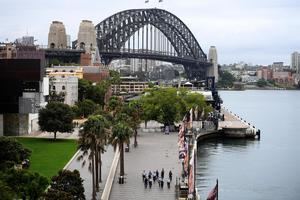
(253, 31)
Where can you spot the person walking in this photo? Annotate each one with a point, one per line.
(168, 183)
(159, 182)
(162, 183)
(154, 177)
(150, 183)
(149, 174)
(144, 175)
(170, 175)
(162, 173)
(146, 182)
(157, 174)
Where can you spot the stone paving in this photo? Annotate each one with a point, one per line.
(107, 158)
(155, 151)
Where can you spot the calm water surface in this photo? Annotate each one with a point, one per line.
(251, 169)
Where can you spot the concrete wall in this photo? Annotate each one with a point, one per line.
(15, 124)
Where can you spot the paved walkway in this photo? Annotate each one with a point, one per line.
(107, 158)
(155, 151)
(232, 121)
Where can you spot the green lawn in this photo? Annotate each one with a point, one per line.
(49, 156)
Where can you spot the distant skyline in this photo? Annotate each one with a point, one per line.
(256, 31)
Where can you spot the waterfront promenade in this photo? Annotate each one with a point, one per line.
(155, 151)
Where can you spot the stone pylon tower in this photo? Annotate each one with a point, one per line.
(57, 37)
(87, 37)
(213, 58)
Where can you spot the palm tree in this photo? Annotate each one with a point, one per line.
(121, 134)
(92, 139)
(115, 105)
(134, 112)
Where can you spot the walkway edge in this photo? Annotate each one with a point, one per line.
(74, 156)
(111, 176)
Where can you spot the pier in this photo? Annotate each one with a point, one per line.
(223, 124)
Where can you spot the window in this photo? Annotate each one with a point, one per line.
(53, 87)
(63, 87)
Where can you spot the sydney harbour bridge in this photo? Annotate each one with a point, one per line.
(154, 34)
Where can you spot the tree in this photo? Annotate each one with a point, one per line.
(115, 105)
(226, 79)
(56, 117)
(66, 185)
(25, 184)
(261, 83)
(121, 134)
(134, 111)
(83, 87)
(12, 152)
(114, 77)
(169, 105)
(86, 107)
(54, 97)
(6, 192)
(92, 139)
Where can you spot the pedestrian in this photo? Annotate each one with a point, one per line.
(150, 183)
(146, 182)
(144, 175)
(157, 174)
(162, 183)
(170, 175)
(162, 173)
(150, 175)
(168, 183)
(159, 181)
(154, 176)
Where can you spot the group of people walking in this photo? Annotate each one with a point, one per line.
(151, 177)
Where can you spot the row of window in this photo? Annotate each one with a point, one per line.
(62, 87)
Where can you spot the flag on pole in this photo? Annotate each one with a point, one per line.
(213, 195)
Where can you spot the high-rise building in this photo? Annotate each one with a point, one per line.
(57, 37)
(87, 37)
(213, 58)
(295, 62)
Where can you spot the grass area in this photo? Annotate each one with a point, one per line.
(48, 156)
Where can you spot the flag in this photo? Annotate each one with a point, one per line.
(160, 1)
(147, 1)
(213, 195)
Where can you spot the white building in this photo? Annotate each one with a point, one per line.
(213, 58)
(68, 86)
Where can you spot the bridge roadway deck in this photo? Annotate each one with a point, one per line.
(155, 151)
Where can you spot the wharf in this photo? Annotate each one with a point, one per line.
(234, 126)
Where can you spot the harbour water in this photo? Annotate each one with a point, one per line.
(251, 169)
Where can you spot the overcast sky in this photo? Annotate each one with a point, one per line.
(253, 31)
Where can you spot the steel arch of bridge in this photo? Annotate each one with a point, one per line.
(114, 31)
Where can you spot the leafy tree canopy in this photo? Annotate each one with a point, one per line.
(66, 185)
(86, 107)
(56, 117)
(25, 184)
(169, 105)
(226, 79)
(12, 152)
